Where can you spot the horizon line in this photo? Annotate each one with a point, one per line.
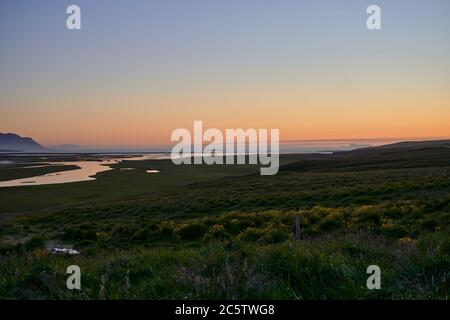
(405, 139)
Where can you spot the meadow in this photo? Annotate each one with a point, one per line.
(225, 232)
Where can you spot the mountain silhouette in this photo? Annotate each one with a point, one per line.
(16, 143)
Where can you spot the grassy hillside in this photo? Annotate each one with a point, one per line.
(227, 232)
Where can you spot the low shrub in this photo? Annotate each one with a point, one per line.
(34, 243)
(191, 231)
(79, 234)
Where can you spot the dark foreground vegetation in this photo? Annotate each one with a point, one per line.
(221, 232)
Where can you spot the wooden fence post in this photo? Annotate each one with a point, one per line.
(297, 228)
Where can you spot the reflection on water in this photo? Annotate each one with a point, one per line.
(87, 171)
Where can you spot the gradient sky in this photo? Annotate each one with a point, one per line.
(139, 69)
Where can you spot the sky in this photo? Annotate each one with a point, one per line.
(139, 69)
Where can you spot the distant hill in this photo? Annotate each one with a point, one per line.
(401, 155)
(410, 145)
(12, 142)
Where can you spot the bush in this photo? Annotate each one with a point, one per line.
(191, 231)
(394, 230)
(330, 224)
(217, 231)
(274, 236)
(429, 224)
(79, 234)
(84, 244)
(34, 243)
(142, 235)
(235, 226)
(250, 234)
(167, 228)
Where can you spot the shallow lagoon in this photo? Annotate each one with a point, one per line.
(86, 171)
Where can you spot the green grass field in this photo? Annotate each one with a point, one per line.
(227, 232)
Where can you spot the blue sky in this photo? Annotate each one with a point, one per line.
(138, 69)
